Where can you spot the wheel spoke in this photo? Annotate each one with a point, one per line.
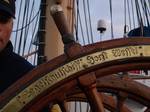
(84, 68)
(88, 85)
(63, 106)
(121, 97)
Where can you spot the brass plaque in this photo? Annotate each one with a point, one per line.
(69, 69)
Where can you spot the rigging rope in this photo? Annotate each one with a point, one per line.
(81, 27)
(27, 29)
(129, 14)
(86, 23)
(90, 23)
(138, 12)
(79, 23)
(77, 20)
(132, 8)
(19, 17)
(21, 33)
(149, 3)
(143, 19)
(33, 38)
(29, 23)
(125, 20)
(24, 36)
(148, 7)
(111, 16)
(146, 13)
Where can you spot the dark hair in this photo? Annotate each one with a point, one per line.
(4, 17)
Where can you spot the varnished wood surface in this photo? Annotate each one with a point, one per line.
(74, 51)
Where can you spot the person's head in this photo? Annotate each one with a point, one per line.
(7, 13)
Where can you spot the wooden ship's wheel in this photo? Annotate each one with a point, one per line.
(83, 73)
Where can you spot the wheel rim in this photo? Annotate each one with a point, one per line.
(121, 64)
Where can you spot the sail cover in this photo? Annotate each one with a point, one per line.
(138, 32)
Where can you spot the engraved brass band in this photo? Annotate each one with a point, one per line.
(70, 68)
